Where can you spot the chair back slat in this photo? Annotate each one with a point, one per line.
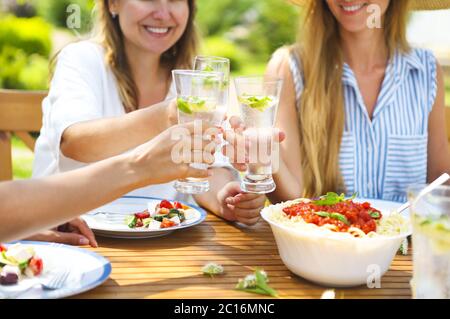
(20, 114)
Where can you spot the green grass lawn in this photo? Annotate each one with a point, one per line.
(22, 159)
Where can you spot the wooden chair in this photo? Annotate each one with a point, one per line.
(20, 114)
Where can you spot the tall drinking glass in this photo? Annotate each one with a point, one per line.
(430, 215)
(198, 97)
(258, 102)
(216, 64)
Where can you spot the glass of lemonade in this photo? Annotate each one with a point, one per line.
(216, 64)
(430, 216)
(258, 102)
(198, 97)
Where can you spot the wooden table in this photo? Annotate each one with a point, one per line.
(169, 267)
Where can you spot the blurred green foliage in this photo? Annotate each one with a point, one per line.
(56, 12)
(254, 26)
(32, 35)
(25, 46)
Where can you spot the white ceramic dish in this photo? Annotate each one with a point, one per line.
(117, 228)
(87, 271)
(334, 261)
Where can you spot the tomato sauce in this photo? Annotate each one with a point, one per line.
(344, 215)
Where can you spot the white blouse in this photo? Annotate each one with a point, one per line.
(83, 88)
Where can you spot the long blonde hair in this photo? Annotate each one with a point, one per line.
(321, 114)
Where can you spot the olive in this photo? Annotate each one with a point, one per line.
(9, 278)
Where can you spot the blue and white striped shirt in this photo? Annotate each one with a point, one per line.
(379, 158)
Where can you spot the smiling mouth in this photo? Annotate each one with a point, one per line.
(352, 8)
(158, 30)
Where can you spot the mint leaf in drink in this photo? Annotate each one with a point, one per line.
(259, 103)
(208, 68)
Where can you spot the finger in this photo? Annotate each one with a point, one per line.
(232, 189)
(256, 203)
(84, 230)
(198, 173)
(236, 123)
(68, 238)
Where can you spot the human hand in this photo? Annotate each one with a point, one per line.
(237, 147)
(238, 206)
(167, 156)
(76, 232)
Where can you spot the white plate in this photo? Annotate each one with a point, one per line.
(117, 228)
(87, 271)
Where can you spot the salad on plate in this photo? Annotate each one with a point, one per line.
(164, 215)
(18, 262)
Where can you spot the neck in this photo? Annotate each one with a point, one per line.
(144, 66)
(364, 50)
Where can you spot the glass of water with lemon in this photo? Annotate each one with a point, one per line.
(258, 102)
(198, 100)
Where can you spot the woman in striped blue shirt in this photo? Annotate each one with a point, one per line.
(362, 110)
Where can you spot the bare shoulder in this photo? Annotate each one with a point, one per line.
(279, 63)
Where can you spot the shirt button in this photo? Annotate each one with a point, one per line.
(369, 186)
(369, 149)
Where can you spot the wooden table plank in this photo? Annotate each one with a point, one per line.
(169, 267)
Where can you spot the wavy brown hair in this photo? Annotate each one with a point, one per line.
(321, 115)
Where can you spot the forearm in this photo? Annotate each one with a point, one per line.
(44, 203)
(217, 181)
(288, 185)
(96, 140)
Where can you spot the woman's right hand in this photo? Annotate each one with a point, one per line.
(160, 160)
(237, 147)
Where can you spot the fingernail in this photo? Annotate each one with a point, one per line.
(84, 241)
(210, 173)
(229, 201)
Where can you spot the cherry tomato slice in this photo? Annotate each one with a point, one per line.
(2, 248)
(36, 265)
(143, 215)
(165, 204)
(178, 205)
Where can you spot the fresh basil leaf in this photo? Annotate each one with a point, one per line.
(329, 199)
(375, 215)
(322, 214)
(340, 217)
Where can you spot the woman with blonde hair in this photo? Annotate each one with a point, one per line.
(114, 92)
(362, 111)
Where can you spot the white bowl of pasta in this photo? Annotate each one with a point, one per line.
(333, 247)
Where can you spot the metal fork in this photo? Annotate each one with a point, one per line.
(55, 282)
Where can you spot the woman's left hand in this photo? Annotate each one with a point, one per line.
(76, 232)
(239, 206)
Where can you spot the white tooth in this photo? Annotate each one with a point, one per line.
(352, 8)
(157, 30)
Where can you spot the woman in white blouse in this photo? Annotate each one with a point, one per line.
(98, 102)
